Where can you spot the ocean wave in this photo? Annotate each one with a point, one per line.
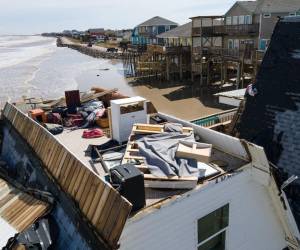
(12, 41)
(24, 49)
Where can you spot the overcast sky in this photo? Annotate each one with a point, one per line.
(36, 16)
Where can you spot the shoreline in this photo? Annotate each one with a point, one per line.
(94, 51)
(180, 99)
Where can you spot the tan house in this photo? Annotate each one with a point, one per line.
(233, 39)
(253, 22)
(246, 22)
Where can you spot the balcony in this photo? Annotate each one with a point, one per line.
(227, 30)
(148, 34)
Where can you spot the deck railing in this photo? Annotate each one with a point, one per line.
(215, 120)
(226, 30)
(218, 51)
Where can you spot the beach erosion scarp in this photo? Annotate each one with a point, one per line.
(95, 51)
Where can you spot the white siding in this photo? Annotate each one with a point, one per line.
(253, 223)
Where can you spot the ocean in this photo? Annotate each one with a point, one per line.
(32, 66)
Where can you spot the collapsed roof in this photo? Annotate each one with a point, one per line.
(272, 117)
(18, 210)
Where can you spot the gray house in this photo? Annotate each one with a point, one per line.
(254, 21)
(146, 32)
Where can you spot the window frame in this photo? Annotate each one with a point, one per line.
(232, 42)
(242, 20)
(228, 18)
(224, 230)
(248, 19)
(197, 243)
(267, 43)
(237, 20)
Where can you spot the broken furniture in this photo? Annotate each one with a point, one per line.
(72, 100)
(133, 156)
(195, 150)
(37, 114)
(124, 114)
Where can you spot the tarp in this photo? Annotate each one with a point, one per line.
(159, 151)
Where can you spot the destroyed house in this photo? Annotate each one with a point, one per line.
(147, 173)
(271, 117)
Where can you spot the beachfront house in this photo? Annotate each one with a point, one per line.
(146, 32)
(123, 35)
(253, 22)
(179, 36)
(230, 200)
(248, 22)
(237, 39)
(97, 34)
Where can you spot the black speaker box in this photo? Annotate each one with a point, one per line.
(130, 182)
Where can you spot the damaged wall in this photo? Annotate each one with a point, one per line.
(26, 169)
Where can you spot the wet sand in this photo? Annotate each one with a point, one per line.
(182, 100)
(175, 101)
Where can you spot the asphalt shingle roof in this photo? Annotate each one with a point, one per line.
(272, 117)
(277, 6)
(156, 21)
(248, 5)
(183, 31)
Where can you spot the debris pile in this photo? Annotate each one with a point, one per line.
(76, 110)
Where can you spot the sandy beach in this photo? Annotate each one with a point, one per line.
(178, 101)
(47, 71)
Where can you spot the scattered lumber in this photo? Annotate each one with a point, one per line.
(151, 181)
(93, 96)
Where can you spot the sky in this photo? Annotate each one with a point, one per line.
(37, 16)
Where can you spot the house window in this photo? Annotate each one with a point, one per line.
(212, 229)
(249, 41)
(267, 15)
(154, 29)
(230, 44)
(236, 43)
(235, 20)
(241, 19)
(167, 28)
(228, 20)
(248, 19)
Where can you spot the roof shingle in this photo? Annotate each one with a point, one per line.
(272, 118)
(156, 21)
(182, 31)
